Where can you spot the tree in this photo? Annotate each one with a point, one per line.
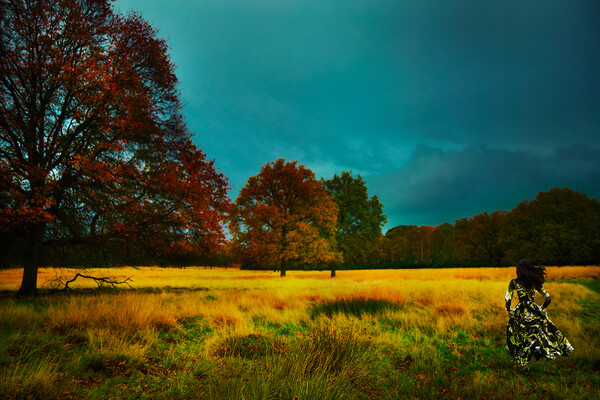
(411, 245)
(92, 142)
(561, 226)
(482, 237)
(400, 243)
(442, 240)
(360, 219)
(283, 218)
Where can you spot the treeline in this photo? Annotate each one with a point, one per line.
(558, 227)
(285, 219)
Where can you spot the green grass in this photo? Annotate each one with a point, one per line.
(593, 284)
(326, 363)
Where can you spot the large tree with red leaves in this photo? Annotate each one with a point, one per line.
(92, 141)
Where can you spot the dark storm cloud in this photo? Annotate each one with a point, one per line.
(439, 185)
(504, 73)
(442, 96)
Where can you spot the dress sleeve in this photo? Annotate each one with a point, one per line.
(546, 295)
(509, 293)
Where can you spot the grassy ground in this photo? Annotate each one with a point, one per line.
(233, 334)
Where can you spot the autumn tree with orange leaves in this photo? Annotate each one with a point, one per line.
(283, 218)
(93, 146)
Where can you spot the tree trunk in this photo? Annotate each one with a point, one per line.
(282, 273)
(31, 260)
(333, 272)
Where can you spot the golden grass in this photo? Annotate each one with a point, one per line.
(129, 312)
(14, 317)
(220, 278)
(433, 300)
(449, 310)
(241, 301)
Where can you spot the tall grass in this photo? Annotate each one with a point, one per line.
(365, 334)
(127, 312)
(328, 363)
(33, 380)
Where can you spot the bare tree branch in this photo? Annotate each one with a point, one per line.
(103, 282)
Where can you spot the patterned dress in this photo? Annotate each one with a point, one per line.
(530, 334)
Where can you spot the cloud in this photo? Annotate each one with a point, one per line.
(403, 92)
(437, 185)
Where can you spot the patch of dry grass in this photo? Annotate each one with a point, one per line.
(446, 310)
(15, 316)
(128, 312)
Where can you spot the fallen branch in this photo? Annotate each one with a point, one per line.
(103, 282)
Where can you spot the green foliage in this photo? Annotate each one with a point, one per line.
(359, 221)
(559, 227)
(358, 213)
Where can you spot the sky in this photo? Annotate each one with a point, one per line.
(446, 108)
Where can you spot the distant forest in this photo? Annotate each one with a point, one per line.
(558, 227)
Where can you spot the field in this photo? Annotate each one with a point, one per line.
(231, 334)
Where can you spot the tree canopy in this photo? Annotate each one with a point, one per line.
(483, 237)
(360, 218)
(284, 218)
(561, 226)
(93, 145)
(558, 227)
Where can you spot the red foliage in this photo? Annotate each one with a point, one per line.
(283, 217)
(92, 141)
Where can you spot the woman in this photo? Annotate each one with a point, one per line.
(529, 332)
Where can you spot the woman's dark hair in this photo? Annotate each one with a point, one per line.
(529, 274)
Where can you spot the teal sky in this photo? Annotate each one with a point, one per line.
(446, 108)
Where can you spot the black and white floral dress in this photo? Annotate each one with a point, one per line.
(530, 334)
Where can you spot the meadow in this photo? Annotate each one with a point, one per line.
(230, 334)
